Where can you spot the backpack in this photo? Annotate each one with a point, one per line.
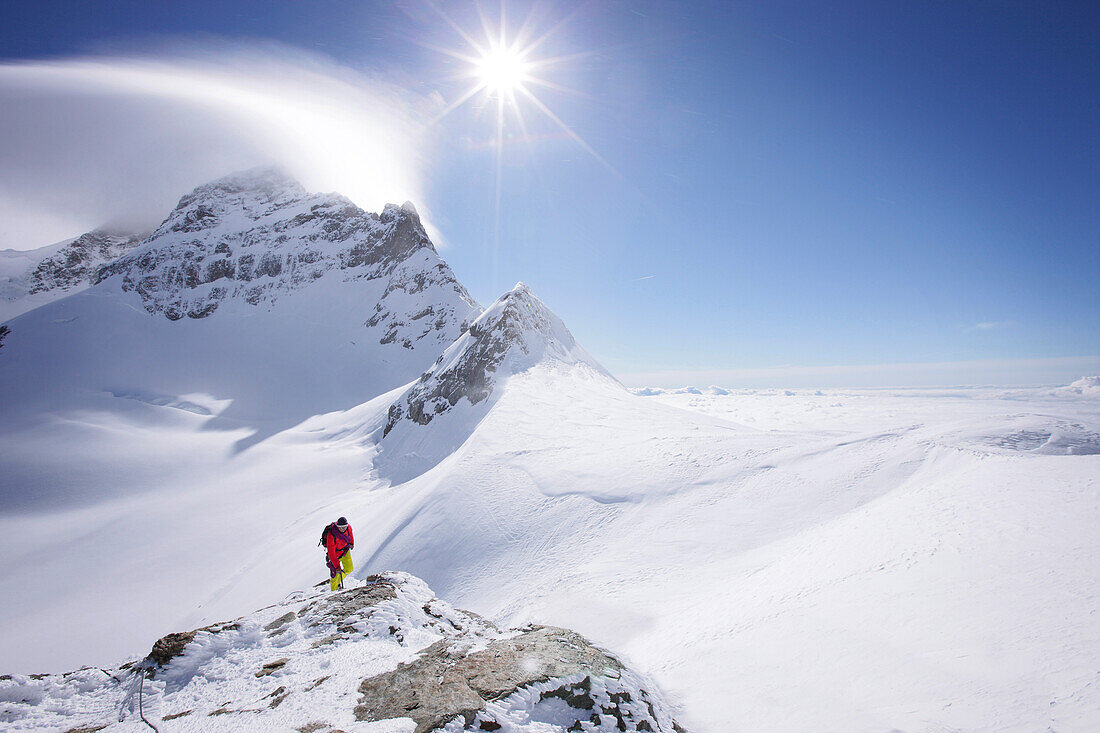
(324, 536)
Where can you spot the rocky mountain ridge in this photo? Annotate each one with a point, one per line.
(514, 333)
(257, 236)
(36, 277)
(78, 262)
(439, 411)
(386, 652)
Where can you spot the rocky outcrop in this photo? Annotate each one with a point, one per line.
(32, 278)
(256, 236)
(385, 651)
(76, 264)
(457, 686)
(438, 412)
(514, 333)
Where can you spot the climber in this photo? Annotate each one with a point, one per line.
(338, 541)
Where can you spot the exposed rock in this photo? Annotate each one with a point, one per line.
(32, 278)
(259, 235)
(450, 680)
(350, 605)
(169, 646)
(280, 622)
(271, 667)
(512, 335)
(518, 327)
(399, 653)
(455, 685)
(172, 645)
(277, 697)
(313, 727)
(76, 264)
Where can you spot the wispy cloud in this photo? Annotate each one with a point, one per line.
(93, 139)
(989, 325)
(644, 277)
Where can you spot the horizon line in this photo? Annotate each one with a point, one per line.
(1018, 372)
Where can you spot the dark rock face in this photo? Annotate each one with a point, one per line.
(259, 235)
(170, 646)
(77, 263)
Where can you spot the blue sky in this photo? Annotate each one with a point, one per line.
(782, 185)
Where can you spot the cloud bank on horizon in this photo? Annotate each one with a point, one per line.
(118, 139)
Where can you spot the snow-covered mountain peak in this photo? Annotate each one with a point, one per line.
(518, 331)
(256, 236)
(249, 190)
(75, 264)
(519, 319)
(514, 334)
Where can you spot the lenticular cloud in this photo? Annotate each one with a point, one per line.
(97, 139)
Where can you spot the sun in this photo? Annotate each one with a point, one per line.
(502, 70)
(505, 71)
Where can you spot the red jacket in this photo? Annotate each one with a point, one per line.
(338, 543)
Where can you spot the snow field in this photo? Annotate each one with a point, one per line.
(857, 560)
(895, 566)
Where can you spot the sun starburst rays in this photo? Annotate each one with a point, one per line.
(505, 74)
(502, 69)
(505, 70)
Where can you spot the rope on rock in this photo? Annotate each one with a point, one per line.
(141, 673)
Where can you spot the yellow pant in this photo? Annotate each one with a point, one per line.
(346, 568)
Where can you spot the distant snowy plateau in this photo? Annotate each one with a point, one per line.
(181, 413)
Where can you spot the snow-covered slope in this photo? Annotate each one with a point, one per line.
(851, 561)
(276, 303)
(139, 440)
(437, 413)
(173, 438)
(29, 279)
(385, 656)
